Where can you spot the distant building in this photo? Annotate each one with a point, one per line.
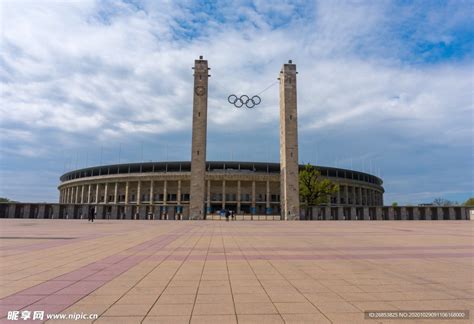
(164, 187)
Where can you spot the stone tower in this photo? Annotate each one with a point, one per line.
(198, 154)
(289, 193)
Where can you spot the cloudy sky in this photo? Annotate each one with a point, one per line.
(384, 87)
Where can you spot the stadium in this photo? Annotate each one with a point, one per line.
(160, 190)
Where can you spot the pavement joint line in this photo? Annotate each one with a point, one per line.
(200, 278)
(171, 279)
(228, 276)
(258, 279)
(75, 282)
(303, 273)
(392, 274)
(410, 276)
(103, 249)
(69, 252)
(273, 266)
(72, 261)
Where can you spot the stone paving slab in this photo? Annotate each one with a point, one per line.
(234, 272)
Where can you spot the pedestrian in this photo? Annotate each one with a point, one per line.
(227, 215)
(91, 215)
(232, 215)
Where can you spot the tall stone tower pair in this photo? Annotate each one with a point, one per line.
(289, 193)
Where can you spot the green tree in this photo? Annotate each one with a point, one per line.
(394, 204)
(3, 200)
(314, 189)
(469, 202)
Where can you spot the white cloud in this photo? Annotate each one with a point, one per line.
(84, 72)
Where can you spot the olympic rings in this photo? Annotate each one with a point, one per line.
(244, 100)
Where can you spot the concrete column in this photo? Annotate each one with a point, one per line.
(239, 193)
(26, 211)
(67, 196)
(89, 195)
(327, 213)
(416, 213)
(289, 169)
(346, 193)
(126, 192)
(97, 194)
(106, 196)
(142, 212)
(340, 213)
(267, 200)
(223, 194)
(42, 211)
(428, 215)
(452, 214)
(365, 213)
(100, 212)
(391, 213)
(128, 211)
(440, 213)
(151, 192)
(199, 133)
(76, 198)
(179, 197)
(116, 194)
(82, 194)
(11, 210)
(165, 192)
(403, 213)
(378, 213)
(139, 192)
(114, 214)
(252, 211)
(208, 203)
(338, 197)
(353, 213)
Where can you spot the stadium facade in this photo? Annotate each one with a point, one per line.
(162, 189)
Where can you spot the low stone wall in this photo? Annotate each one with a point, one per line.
(391, 213)
(171, 212)
(101, 211)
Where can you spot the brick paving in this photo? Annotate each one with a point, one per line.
(234, 272)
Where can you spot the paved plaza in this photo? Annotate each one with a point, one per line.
(229, 272)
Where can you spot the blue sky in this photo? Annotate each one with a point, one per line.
(383, 87)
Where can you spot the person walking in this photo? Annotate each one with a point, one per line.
(227, 215)
(91, 215)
